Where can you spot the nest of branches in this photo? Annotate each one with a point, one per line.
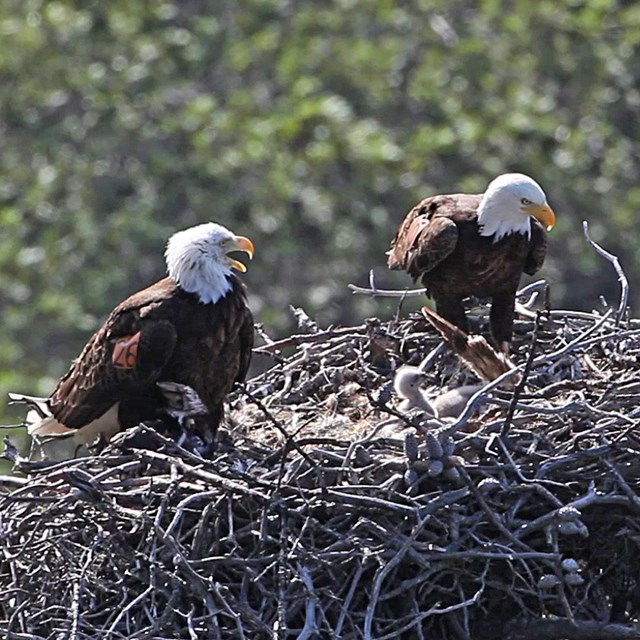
(327, 513)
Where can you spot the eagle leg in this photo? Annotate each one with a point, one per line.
(452, 309)
(501, 319)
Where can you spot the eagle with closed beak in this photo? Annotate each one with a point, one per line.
(464, 245)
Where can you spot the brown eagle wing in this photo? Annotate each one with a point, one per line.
(425, 238)
(95, 382)
(537, 249)
(246, 335)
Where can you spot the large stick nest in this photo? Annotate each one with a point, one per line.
(325, 514)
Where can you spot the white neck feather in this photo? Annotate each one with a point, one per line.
(190, 264)
(494, 222)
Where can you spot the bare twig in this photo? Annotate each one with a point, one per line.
(519, 388)
(306, 338)
(374, 292)
(622, 279)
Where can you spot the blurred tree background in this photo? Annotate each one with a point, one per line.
(311, 126)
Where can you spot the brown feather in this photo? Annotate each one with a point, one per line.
(439, 241)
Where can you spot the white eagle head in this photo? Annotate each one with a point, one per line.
(197, 259)
(508, 204)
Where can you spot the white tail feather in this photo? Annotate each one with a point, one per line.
(49, 426)
(39, 405)
(40, 423)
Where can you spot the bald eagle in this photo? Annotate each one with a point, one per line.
(192, 328)
(476, 245)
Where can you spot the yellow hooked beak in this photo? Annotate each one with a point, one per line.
(240, 243)
(542, 213)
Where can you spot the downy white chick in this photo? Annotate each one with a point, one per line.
(447, 405)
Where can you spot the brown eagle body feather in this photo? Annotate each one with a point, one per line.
(206, 346)
(440, 241)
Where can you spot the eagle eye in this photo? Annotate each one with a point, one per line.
(525, 201)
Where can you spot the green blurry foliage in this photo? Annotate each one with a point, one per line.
(310, 125)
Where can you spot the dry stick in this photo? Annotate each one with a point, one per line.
(509, 555)
(533, 287)
(491, 515)
(192, 632)
(347, 601)
(409, 584)
(78, 587)
(282, 579)
(622, 279)
(517, 392)
(339, 496)
(430, 358)
(554, 313)
(594, 453)
(234, 615)
(624, 485)
(234, 485)
(397, 315)
(532, 481)
(13, 635)
(382, 573)
(587, 500)
(306, 338)
(372, 279)
(387, 293)
(583, 344)
(521, 309)
(132, 604)
(19, 614)
(374, 292)
(309, 630)
(181, 507)
(433, 611)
